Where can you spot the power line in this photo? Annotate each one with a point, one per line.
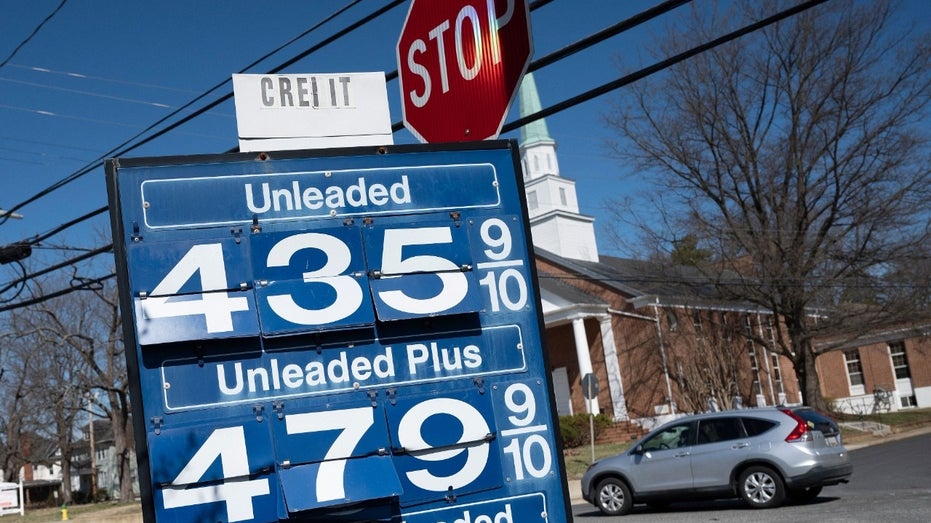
(83, 76)
(660, 66)
(33, 33)
(115, 151)
(124, 147)
(87, 93)
(568, 103)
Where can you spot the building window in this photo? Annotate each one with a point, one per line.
(854, 368)
(899, 360)
(562, 196)
(532, 200)
(777, 373)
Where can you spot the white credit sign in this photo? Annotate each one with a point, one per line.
(301, 111)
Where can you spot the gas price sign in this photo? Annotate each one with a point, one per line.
(341, 335)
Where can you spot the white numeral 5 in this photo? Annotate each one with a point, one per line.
(455, 284)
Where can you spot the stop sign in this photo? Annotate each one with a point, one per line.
(459, 65)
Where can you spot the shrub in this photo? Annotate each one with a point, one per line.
(576, 429)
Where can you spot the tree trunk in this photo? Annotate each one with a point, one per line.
(66, 475)
(119, 420)
(811, 387)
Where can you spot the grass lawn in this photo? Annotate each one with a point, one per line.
(86, 512)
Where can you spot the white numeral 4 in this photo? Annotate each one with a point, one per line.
(229, 444)
(216, 306)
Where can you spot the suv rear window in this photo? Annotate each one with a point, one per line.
(757, 426)
(816, 420)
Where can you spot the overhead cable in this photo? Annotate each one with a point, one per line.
(124, 147)
(33, 33)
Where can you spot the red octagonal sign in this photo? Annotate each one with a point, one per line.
(459, 64)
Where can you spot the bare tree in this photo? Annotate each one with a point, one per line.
(108, 365)
(56, 373)
(78, 342)
(797, 154)
(709, 361)
(18, 402)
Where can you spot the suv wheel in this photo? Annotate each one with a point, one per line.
(613, 497)
(761, 487)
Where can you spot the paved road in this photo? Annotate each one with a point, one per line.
(891, 483)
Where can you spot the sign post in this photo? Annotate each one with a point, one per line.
(460, 63)
(339, 335)
(590, 391)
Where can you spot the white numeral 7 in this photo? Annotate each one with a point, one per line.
(354, 424)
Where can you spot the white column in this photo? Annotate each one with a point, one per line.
(613, 368)
(585, 359)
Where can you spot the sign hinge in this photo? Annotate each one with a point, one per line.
(237, 234)
(279, 409)
(136, 237)
(259, 412)
(392, 396)
(157, 424)
(373, 395)
(480, 384)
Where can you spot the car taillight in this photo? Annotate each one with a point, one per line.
(801, 432)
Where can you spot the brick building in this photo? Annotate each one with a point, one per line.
(885, 370)
(648, 333)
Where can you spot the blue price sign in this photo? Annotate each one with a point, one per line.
(344, 335)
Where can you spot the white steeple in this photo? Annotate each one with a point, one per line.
(555, 221)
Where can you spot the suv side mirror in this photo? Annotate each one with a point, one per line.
(638, 449)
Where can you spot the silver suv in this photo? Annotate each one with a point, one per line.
(763, 455)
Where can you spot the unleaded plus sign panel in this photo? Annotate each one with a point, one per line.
(344, 335)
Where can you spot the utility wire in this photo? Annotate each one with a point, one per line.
(660, 66)
(86, 284)
(117, 152)
(640, 74)
(33, 34)
(124, 147)
(52, 268)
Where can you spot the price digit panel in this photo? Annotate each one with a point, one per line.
(340, 335)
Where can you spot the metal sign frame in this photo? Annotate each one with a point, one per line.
(341, 335)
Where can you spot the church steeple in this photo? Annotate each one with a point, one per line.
(538, 150)
(552, 204)
(535, 132)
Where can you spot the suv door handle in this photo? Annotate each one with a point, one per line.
(740, 446)
(682, 454)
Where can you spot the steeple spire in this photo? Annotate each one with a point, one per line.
(534, 132)
(552, 204)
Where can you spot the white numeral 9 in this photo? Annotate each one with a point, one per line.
(527, 406)
(500, 240)
(474, 428)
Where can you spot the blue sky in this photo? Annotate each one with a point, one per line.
(101, 71)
